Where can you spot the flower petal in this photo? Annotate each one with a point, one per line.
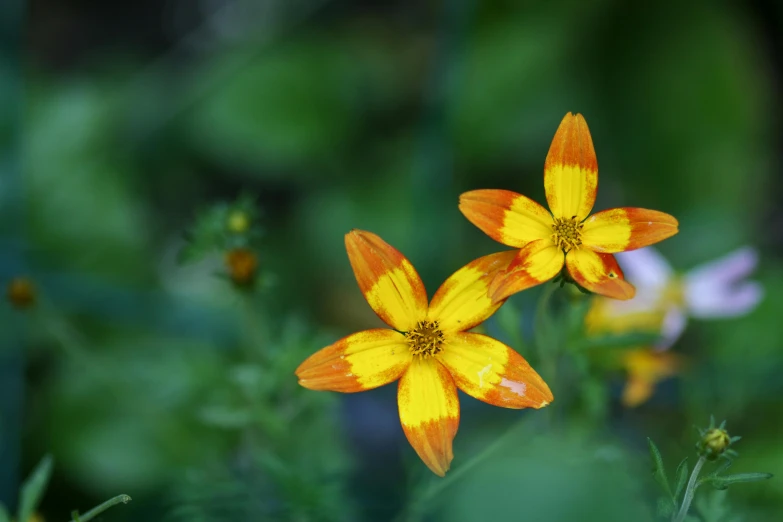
(505, 216)
(429, 412)
(646, 268)
(645, 368)
(492, 372)
(536, 262)
(571, 170)
(387, 279)
(714, 289)
(598, 273)
(463, 301)
(358, 362)
(621, 229)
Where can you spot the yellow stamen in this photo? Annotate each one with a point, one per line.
(426, 339)
(567, 233)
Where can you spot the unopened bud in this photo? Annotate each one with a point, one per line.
(242, 265)
(713, 443)
(238, 222)
(21, 292)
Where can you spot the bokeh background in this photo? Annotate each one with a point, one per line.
(124, 122)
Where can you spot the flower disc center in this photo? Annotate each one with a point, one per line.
(426, 339)
(567, 233)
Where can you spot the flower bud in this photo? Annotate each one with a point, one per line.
(21, 292)
(238, 222)
(713, 443)
(242, 265)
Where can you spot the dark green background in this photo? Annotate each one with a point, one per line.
(122, 122)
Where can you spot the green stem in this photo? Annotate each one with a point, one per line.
(418, 506)
(94, 512)
(689, 491)
(547, 352)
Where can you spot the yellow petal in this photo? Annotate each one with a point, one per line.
(622, 229)
(599, 273)
(359, 362)
(537, 262)
(463, 301)
(645, 369)
(505, 216)
(571, 170)
(387, 279)
(429, 412)
(492, 372)
(636, 392)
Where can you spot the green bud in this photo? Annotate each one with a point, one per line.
(713, 443)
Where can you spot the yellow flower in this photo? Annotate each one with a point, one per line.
(427, 349)
(566, 236)
(646, 367)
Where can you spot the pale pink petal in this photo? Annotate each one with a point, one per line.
(729, 302)
(674, 323)
(715, 289)
(645, 267)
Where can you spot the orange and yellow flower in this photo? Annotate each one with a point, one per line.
(568, 236)
(427, 348)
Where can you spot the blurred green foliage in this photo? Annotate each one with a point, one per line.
(165, 382)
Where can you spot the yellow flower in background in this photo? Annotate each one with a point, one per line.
(645, 368)
(427, 348)
(568, 236)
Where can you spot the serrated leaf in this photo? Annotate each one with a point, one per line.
(665, 507)
(659, 472)
(724, 482)
(34, 487)
(681, 477)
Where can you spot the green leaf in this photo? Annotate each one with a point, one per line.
(659, 472)
(665, 507)
(33, 488)
(726, 481)
(4, 517)
(681, 476)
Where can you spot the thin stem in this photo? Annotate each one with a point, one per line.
(547, 352)
(689, 491)
(94, 512)
(418, 506)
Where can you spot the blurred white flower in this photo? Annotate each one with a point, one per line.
(717, 289)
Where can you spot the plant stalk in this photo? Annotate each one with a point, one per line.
(689, 491)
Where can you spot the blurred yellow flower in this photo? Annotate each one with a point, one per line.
(645, 368)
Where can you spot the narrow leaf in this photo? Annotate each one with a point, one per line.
(34, 488)
(665, 508)
(659, 472)
(681, 476)
(728, 480)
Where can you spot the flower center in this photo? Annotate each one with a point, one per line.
(567, 233)
(426, 339)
